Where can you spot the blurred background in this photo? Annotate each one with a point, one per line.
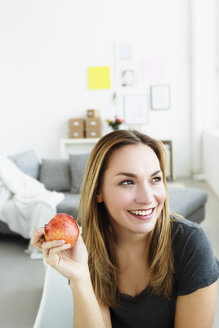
(47, 47)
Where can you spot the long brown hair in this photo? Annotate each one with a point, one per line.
(97, 231)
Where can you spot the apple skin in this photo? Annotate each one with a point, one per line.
(62, 227)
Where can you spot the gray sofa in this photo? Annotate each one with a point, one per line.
(65, 175)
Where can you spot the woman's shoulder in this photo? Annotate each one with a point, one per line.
(183, 228)
(187, 235)
(188, 238)
(194, 261)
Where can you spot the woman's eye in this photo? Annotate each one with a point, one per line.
(126, 182)
(157, 179)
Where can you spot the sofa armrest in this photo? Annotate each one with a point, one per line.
(56, 306)
(188, 202)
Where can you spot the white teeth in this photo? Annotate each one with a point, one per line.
(143, 213)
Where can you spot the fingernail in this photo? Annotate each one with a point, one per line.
(68, 245)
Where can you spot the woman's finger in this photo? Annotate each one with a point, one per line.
(51, 255)
(55, 250)
(38, 238)
(52, 244)
(55, 244)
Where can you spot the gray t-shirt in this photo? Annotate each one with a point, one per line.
(195, 267)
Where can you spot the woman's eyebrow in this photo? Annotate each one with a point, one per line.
(131, 175)
(156, 172)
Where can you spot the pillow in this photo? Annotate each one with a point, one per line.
(78, 165)
(27, 162)
(55, 174)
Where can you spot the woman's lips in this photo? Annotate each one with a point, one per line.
(143, 214)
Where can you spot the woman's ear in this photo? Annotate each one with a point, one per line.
(99, 196)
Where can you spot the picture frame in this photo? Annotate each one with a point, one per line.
(169, 169)
(160, 97)
(135, 109)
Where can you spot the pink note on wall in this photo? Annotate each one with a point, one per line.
(153, 70)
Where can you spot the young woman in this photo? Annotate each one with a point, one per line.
(136, 265)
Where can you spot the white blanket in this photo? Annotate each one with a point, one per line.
(25, 203)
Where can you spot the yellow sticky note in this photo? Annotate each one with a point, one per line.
(99, 77)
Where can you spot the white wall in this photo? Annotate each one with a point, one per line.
(46, 47)
(204, 75)
(211, 159)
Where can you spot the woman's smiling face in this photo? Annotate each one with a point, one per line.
(133, 190)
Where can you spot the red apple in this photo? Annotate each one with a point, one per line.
(62, 227)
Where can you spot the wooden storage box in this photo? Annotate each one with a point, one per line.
(76, 133)
(93, 113)
(93, 132)
(76, 123)
(93, 122)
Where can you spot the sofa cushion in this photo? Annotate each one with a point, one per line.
(78, 165)
(27, 162)
(69, 204)
(55, 174)
(188, 202)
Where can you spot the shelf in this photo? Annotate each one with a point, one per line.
(79, 140)
(76, 146)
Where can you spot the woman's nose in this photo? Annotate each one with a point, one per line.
(144, 194)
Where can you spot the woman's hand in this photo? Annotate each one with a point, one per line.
(71, 263)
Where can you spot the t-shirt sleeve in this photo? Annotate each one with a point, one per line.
(196, 266)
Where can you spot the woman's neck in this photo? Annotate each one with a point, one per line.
(130, 250)
(132, 256)
(129, 240)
